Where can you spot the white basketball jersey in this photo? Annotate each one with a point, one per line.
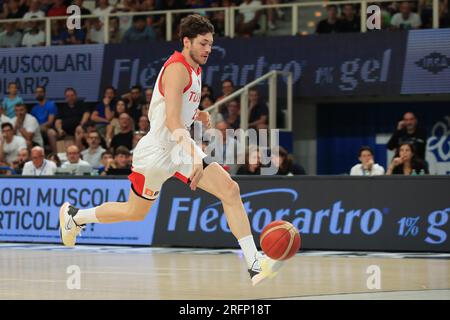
(159, 133)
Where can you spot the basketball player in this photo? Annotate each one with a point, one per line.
(173, 108)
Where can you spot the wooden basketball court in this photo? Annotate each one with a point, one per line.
(31, 271)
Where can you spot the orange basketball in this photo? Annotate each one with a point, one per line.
(280, 240)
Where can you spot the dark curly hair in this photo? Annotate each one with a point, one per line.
(193, 25)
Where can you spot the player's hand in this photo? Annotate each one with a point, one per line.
(204, 117)
(196, 175)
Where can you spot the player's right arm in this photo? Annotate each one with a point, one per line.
(175, 79)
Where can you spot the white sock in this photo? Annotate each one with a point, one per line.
(84, 216)
(249, 249)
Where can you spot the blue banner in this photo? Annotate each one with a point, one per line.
(55, 68)
(29, 210)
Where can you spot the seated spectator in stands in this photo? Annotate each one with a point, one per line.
(125, 136)
(121, 163)
(406, 162)
(232, 116)
(134, 102)
(26, 126)
(273, 14)
(282, 160)
(74, 36)
(94, 152)
(10, 144)
(367, 167)
(22, 158)
(35, 37)
(11, 100)
(217, 18)
(227, 89)
(72, 115)
(258, 111)
(103, 8)
(34, 11)
(406, 19)
(55, 158)
(408, 131)
(45, 112)
(104, 160)
(39, 166)
(104, 112)
(137, 136)
(83, 10)
(143, 124)
(206, 102)
(148, 99)
(114, 30)
(139, 31)
(58, 9)
(3, 118)
(56, 32)
(252, 164)
(349, 22)
(229, 151)
(114, 128)
(207, 91)
(248, 18)
(74, 158)
(96, 32)
(14, 9)
(331, 24)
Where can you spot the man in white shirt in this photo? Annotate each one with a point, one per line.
(405, 19)
(39, 166)
(367, 167)
(34, 11)
(27, 126)
(3, 118)
(96, 33)
(248, 17)
(73, 157)
(93, 154)
(34, 37)
(10, 144)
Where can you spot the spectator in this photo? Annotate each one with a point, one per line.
(114, 30)
(58, 9)
(405, 19)
(252, 164)
(135, 103)
(89, 127)
(10, 38)
(35, 37)
(96, 33)
(105, 158)
(94, 152)
(34, 11)
(137, 136)
(74, 36)
(350, 22)
(258, 111)
(282, 160)
(103, 8)
(74, 158)
(367, 167)
(26, 126)
(22, 158)
(148, 98)
(114, 128)
(273, 14)
(206, 102)
(72, 115)
(55, 159)
(217, 18)
(139, 31)
(227, 89)
(83, 10)
(248, 17)
(104, 112)
(121, 163)
(125, 136)
(230, 150)
(11, 100)
(45, 112)
(56, 32)
(444, 14)
(408, 131)
(144, 124)
(10, 144)
(39, 166)
(207, 91)
(15, 10)
(3, 118)
(331, 24)
(406, 162)
(232, 116)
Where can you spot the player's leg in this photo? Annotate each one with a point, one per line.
(218, 182)
(72, 219)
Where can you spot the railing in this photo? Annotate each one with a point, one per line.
(243, 93)
(229, 16)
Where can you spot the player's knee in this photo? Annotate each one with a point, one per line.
(232, 190)
(137, 214)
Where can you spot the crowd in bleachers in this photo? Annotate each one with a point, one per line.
(126, 29)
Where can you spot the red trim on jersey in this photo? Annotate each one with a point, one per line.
(181, 177)
(138, 181)
(178, 57)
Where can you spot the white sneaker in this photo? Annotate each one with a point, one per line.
(68, 228)
(264, 268)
